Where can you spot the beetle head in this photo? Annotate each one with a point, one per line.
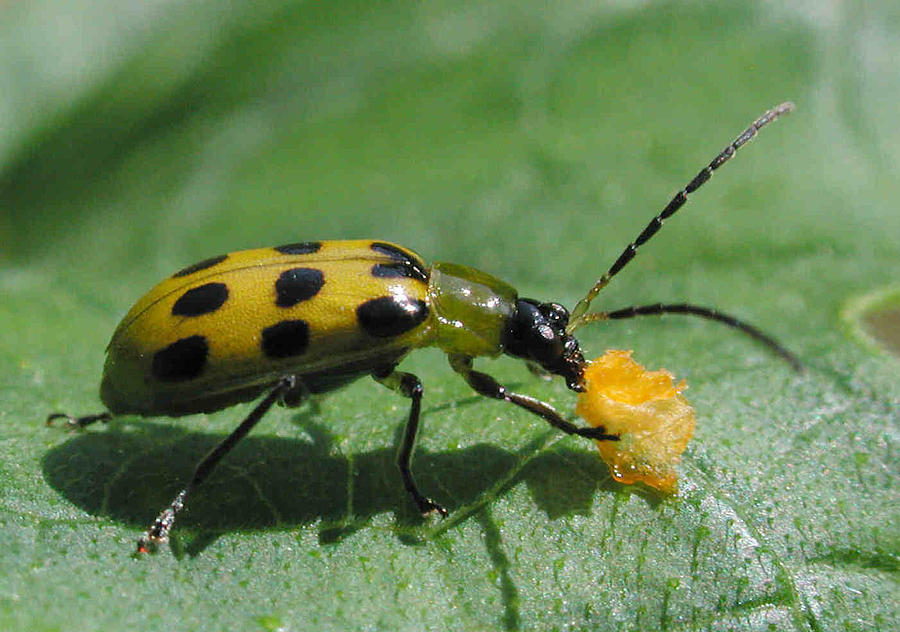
(537, 333)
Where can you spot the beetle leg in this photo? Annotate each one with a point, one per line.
(294, 395)
(75, 423)
(484, 384)
(158, 532)
(409, 386)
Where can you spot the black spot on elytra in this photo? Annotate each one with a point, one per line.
(300, 248)
(182, 360)
(398, 270)
(390, 315)
(200, 265)
(296, 285)
(404, 264)
(201, 300)
(285, 339)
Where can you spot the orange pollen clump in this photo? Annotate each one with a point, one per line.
(616, 376)
(647, 410)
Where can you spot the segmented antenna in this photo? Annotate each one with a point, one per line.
(581, 308)
(708, 313)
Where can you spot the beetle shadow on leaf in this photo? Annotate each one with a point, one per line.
(130, 472)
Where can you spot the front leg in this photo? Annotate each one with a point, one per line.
(409, 386)
(484, 384)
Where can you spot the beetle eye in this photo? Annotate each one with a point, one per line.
(546, 347)
(556, 314)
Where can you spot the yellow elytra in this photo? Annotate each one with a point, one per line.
(222, 331)
(310, 317)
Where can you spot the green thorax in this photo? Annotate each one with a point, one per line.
(470, 309)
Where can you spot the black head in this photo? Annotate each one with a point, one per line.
(537, 333)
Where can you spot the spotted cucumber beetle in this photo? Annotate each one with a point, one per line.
(306, 318)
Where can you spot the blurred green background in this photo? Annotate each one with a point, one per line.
(529, 139)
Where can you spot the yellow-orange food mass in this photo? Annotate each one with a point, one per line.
(647, 410)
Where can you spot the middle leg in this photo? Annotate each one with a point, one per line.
(409, 386)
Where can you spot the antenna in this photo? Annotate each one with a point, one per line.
(579, 314)
(708, 313)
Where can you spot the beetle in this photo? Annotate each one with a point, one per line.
(305, 318)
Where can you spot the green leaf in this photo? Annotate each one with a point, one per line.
(529, 140)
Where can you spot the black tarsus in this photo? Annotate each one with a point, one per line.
(79, 422)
